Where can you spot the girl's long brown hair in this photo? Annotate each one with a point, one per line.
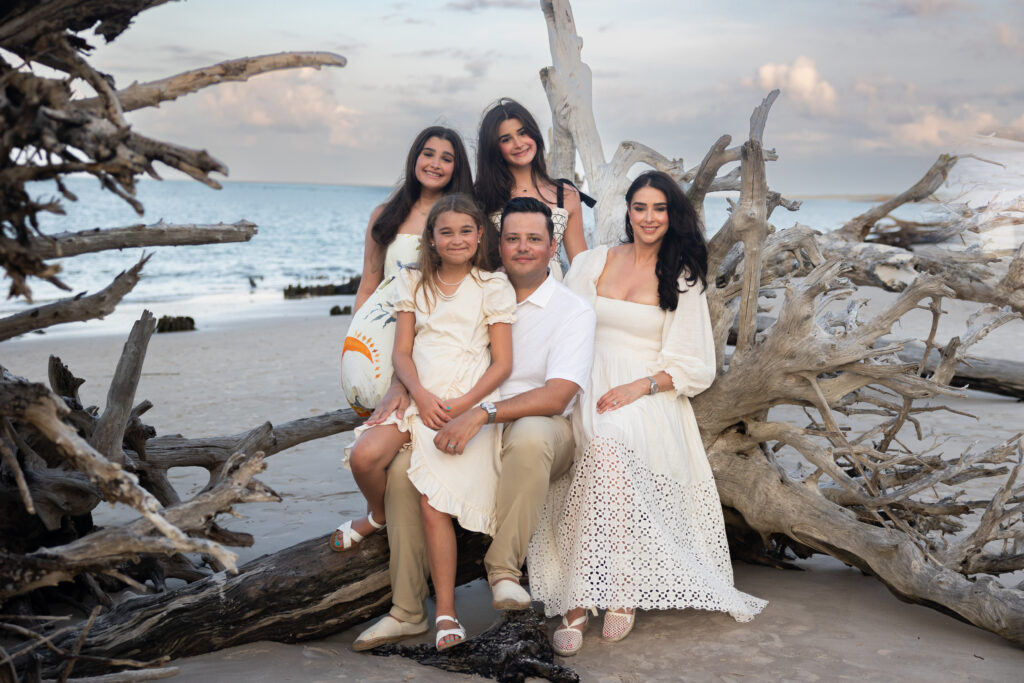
(430, 260)
(401, 201)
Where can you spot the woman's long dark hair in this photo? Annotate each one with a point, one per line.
(683, 249)
(401, 201)
(494, 181)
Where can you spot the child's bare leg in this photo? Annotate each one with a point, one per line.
(371, 454)
(442, 551)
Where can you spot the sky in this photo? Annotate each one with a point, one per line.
(872, 90)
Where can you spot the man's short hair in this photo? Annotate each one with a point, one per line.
(529, 205)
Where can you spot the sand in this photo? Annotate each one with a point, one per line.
(268, 359)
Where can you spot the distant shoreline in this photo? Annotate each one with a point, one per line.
(856, 197)
(870, 198)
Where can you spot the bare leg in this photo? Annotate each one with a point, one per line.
(574, 614)
(371, 454)
(443, 555)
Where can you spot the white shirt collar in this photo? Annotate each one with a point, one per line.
(542, 295)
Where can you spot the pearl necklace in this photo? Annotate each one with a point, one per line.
(448, 297)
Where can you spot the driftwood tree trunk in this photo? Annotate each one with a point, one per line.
(305, 591)
(865, 503)
(59, 460)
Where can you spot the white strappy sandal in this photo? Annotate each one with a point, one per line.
(345, 537)
(568, 639)
(445, 632)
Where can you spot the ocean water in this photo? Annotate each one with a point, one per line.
(307, 234)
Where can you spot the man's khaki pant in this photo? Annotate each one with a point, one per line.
(534, 452)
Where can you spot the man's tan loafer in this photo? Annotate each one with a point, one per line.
(388, 630)
(506, 594)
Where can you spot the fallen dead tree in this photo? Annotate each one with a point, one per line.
(60, 459)
(298, 593)
(866, 500)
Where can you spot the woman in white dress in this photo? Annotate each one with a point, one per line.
(510, 163)
(636, 523)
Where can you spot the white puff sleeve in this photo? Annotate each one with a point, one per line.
(688, 343)
(499, 299)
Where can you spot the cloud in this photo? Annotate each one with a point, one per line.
(476, 64)
(866, 88)
(474, 5)
(1013, 131)
(935, 129)
(801, 82)
(284, 102)
(921, 8)
(1006, 37)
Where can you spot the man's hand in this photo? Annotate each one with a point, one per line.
(453, 437)
(396, 400)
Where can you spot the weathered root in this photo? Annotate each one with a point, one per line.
(303, 592)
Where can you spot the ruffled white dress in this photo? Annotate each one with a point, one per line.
(637, 521)
(451, 351)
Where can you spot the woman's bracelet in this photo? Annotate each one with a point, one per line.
(654, 385)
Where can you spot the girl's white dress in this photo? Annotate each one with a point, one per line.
(637, 521)
(451, 351)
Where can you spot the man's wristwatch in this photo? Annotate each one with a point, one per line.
(491, 411)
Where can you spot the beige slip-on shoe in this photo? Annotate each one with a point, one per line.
(507, 594)
(388, 630)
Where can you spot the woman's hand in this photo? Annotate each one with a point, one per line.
(622, 395)
(433, 411)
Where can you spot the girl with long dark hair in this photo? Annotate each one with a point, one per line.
(637, 523)
(435, 166)
(510, 163)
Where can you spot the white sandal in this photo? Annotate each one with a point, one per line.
(445, 632)
(568, 639)
(345, 537)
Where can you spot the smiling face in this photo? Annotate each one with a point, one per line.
(525, 247)
(648, 214)
(456, 238)
(435, 164)
(517, 148)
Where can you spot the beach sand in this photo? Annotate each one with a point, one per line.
(267, 359)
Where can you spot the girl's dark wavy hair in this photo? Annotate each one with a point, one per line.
(401, 201)
(683, 249)
(494, 182)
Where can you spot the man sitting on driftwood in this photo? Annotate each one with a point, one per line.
(552, 344)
